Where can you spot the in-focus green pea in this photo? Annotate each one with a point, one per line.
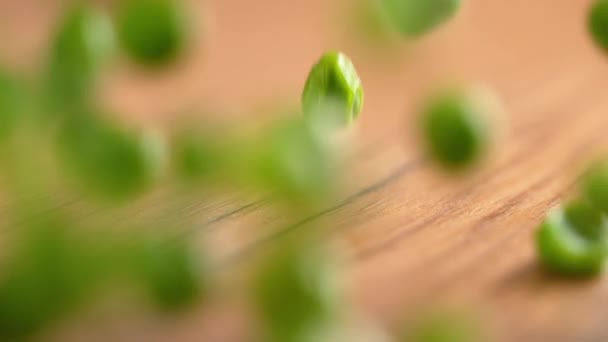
(153, 32)
(333, 94)
(297, 294)
(294, 163)
(109, 161)
(598, 23)
(84, 40)
(572, 241)
(455, 131)
(171, 272)
(414, 18)
(595, 185)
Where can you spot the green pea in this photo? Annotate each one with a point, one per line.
(585, 217)
(109, 161)
(294, 163)
(171, 272)
(45, 278)
(12, 103)
(598, 23)
(153, 32)
(297, 294)
(414, 18)
(333, 93)
(83, 42)
(445, 326)
(194, 156)
(595, 185)
(572, 241)
(454, 130)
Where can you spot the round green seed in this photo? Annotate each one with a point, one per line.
(45, 278)
(12, 103)
(195, 158)
(295, 164)
(297, 294)
(566, 247)
(108, 161)
(585, 218)
(445, 326)
(84, 41)
(455, 129)
(171, 272)
(598, 23)
(595, 185)
(333, 94)
(414, 18)
(153, 32)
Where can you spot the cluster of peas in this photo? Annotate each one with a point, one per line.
(51, 125)
(53, 268)
(56, 265)
(573, 239)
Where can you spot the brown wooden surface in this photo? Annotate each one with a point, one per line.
(411, 235)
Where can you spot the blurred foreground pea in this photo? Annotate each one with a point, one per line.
(153, 32)
(297, 295)
(595, 185)
(598, 23)
(333, 94)
(49, 275)
(444, 326)
(195, 157)
(171, 272)
(84, 40)
(110, 162)
(455, 128)
(573, 239)
(414, 18)
(294, 163)
(12, 103)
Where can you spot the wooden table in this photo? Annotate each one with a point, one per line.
(412, 236)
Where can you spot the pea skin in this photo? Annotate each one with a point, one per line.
(333, 94)
(456, 127)
(416, 18)
(153, 32)
(573, 240)
(597, 23)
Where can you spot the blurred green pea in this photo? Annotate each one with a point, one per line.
(195, 158)
(110, 162)
(572, 241)
(12, 103)
(594, 185)
(171, 272)
(598, 23)
(83, 42)
(585, 217)
(445, 326)
(46, 277)
(153, 32)
(333, 94)
(294, 163)
(455, 129)
(414, 18)
(297, 294)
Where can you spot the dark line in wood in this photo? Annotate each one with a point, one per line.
(393, 176)
(389, 243)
